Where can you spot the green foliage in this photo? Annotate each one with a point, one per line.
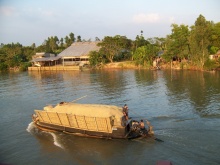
(158, 42)
(13, 55)
(139, 55)
(140, 41)
(3, 66)
(209, 64)
(95, 58)
(177, 42)
(24, 66)
(69, 39)
(213, 50)
(194, 44)
(28, 52)
(79, 39)
(215, 36)
(114, 46)
(144, 55)
(123, 55)
(200, 40)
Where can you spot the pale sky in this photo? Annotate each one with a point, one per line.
(33, 21)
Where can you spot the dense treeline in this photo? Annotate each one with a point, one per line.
(190, 46)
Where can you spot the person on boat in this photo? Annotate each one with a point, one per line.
(135, 125)
(125, 111)
(125, 116)
(141, 125)
(142, 128)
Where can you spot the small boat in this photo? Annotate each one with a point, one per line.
(91, 120)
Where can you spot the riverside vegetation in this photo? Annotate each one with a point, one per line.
(185, 48)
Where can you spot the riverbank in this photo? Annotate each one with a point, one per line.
(123, 65)
(174, 65)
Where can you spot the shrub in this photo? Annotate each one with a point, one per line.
(24, 66)
(3, 67)
(209, 64)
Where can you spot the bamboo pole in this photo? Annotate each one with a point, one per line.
(40, 116)
(48, 117)
(96, 124)
(85, 122)
(106, 122)
(59, 118)
(67, 119)
(76, 121)
(79, 98)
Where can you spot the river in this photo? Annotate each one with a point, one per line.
(183, 107)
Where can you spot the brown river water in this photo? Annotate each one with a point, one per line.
(183, 107)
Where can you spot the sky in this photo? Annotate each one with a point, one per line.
(33, 21)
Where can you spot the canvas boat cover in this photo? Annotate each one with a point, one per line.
(89, 110)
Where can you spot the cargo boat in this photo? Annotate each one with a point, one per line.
(91, 120)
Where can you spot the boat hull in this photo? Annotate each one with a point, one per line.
(119, 133)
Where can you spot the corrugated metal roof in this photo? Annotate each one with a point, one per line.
(46, 59)
(79, 49)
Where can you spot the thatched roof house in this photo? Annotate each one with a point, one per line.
(78, 53)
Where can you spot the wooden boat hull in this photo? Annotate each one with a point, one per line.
(119, 133)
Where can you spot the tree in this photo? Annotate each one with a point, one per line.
(28, 52)
(79, 39)
(145, 54)
(46, 45)
(200, 40)
(215, 37)
(11, 55)
(178, 45)
(33, 45)
(53, 44)
(69, 39)
(72, 38)
(114, 46)
(96, 58)
(158, 42)
(97, 39)
(139, 41)
(61, 43)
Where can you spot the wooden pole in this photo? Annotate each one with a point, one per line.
(79, 98)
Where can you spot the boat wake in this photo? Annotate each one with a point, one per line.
(34, 130)
(31, 127)
(164, 133)
(56, 141)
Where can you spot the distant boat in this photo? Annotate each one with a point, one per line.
(91, 120)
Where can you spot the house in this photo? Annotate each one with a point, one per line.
(45, 59)
(72, 58)
(215, 56)
(78, 53)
